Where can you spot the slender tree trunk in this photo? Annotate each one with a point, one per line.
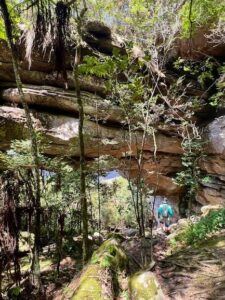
(1, 270)
(36, 280)
(16, 252)
(83, 198)
(138, 212)
(142, 213)
(151, 229)
(60, 233)
(99, 197)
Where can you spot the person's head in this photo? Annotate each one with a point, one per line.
(165, 200)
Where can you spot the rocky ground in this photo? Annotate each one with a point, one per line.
(187, 273)
(193, 273)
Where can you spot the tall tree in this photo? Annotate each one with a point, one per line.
(83, 197)
(35, 269)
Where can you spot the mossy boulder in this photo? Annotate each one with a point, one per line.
(98, 278)
(90, 285)
(144, 286)
(110, 255)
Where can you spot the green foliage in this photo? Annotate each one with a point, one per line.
(197, 232)
(192, 153)
(218, 99)
(110, 255)
(19, 159)
(95, 66)
(138, 7)
(15, 293)
(116, 203)
(15, 16)
(203, 12)
(202, 71)
(190, 177)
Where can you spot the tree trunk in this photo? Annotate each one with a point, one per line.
(60, 233)
(138, 211)
(142, 213)
(1, 270)
(83, 198)
(36, 280)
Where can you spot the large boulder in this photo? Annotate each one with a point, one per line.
(96, 280)
(60, 134)
(212, 191)
(211, 196)
(183, 223)
(216, 137)
(144, 286)
(60, 138)
(55, 114)
(200, 48)
(208, 208)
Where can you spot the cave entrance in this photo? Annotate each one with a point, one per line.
(157, 200)
(117, 206)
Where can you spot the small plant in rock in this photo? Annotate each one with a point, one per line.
(213, 222)
(199, 231)
(190, 177)
(203, 72)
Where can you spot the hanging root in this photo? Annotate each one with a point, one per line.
(49, 32)
(62, 12)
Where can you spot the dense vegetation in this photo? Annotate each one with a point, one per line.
(197, 232)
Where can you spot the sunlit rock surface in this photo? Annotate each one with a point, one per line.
(55, 115)
(144, 285)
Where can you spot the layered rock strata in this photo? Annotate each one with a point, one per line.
(55, 114)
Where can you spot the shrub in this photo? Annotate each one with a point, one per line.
(214, 221)
(194, 233)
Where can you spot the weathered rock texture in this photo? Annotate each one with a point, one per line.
(200, 46)
(213, 164)
(55, 114)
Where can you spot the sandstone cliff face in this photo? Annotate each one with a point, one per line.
(55, 114)
(214, 164)
(61, 139)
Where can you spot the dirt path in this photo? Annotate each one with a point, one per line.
(192, 273)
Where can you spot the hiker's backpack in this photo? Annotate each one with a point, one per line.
(165, 211)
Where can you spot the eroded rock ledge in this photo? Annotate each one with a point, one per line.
(55, 114)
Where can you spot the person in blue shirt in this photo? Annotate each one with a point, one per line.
(165, 214)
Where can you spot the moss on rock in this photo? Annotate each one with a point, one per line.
(90, 285)
(144, 286)
(97, 280)
(110, 255)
